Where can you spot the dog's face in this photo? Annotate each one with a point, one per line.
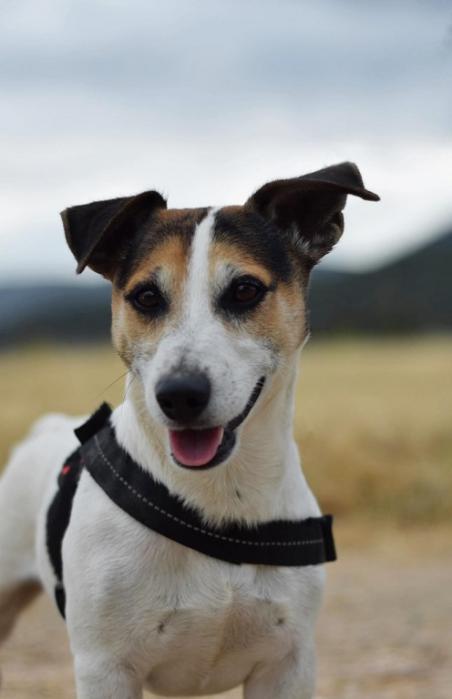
(210, 304)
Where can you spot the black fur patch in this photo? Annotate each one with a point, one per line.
(244, 229)
(254, 235)
(174, 222)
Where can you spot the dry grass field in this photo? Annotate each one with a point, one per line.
(374, 427)
(373, 418)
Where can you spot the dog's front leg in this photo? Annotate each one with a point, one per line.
(292, 678)
(105, 678)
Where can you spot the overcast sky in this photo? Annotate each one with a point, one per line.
(205, 100)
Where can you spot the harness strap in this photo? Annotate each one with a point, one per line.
(278, 542)
(134, 490)
(58, 516)
(59, 512)
(94, 424)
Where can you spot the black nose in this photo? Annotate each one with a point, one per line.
(183, 398)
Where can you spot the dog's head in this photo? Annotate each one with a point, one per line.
(210, 304)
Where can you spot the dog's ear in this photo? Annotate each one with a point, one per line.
(98, 233)
(309, 208)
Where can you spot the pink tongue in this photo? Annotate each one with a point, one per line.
(195, 447)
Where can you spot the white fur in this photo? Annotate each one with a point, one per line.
(141, 609)
(234, 362)
(197, 292)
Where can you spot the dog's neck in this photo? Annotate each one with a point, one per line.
(262, 481)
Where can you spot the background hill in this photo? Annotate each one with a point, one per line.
(411, 294)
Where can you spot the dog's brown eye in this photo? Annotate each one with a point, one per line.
(148, 300)
(242, 295)
(246, 292)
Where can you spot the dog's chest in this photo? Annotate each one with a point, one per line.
(190, 624)
(202, 625)
(211, 650)
(219, 622)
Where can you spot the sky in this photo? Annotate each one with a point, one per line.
(206, 100)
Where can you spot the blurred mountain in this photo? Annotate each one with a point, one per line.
(411, 294)
(62, 313)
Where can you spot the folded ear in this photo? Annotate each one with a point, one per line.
(98, 233)
(309, 207)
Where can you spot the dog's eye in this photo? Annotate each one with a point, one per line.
(148, 300)
(246, 292)
(243, 294)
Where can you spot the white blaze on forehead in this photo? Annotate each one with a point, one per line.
(197, 286)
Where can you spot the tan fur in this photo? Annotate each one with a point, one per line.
(222, 253)
(281, 317)
(132, 330)
(170, 257)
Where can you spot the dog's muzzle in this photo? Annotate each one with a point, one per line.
(183, 397)
(203, 449)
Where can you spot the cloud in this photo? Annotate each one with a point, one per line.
(207, 99)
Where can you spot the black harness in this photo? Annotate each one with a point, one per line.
(134, 490)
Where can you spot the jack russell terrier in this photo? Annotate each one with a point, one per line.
(180, 540)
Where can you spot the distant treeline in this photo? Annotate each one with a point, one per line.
(412, 294)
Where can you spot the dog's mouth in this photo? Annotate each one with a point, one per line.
(204, 448)
(195, 448)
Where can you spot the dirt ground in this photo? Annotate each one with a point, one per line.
(385, 630)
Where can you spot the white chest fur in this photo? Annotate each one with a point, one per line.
(187, 622)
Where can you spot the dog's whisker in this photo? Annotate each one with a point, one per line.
(129, 385)
(113, 383)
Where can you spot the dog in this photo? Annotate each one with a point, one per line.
(209, 314)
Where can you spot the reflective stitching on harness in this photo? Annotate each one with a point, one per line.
(149, 503)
